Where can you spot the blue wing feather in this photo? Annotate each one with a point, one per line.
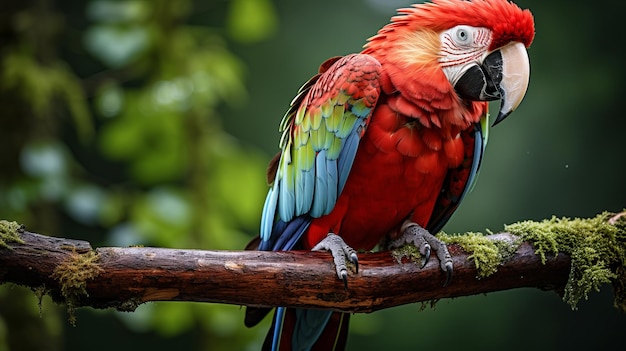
(278, 326)
(287, 234)
(347, 155)
(314, 166)
(304, 193)
(479, 148)
(316, 160)
(321, 196)
(269, 212)
(332, 179)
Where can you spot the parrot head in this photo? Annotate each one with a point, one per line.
(455, 53)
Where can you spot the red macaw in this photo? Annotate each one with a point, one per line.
(385, 143)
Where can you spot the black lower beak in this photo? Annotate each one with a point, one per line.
(481, 82)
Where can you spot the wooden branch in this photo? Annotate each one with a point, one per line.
(72, 272)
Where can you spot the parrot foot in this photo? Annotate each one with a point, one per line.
(340, 251)
(413, 233)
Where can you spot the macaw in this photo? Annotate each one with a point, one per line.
(381, 146)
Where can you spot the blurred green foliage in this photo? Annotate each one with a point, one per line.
(136, 122)
(123, 142)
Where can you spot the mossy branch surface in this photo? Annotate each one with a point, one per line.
(570, 256)
(9, 233)
(597, 247)
(73, 275)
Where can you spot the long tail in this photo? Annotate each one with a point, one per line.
(307, 329)
(297, 329)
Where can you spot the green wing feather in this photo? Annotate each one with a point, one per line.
(320, 135)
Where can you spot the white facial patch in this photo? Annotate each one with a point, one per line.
(462, 46)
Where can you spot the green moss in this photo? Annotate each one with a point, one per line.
(541, 234)
(507, 247)
(597, 249)
(73, 275)
(409, 251)
(129, 305)
(40, 292)
(487, 254)
(9, 232)
(429, 303)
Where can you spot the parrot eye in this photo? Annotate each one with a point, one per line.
(462, 35)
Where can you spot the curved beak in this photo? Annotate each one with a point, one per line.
(503, 74)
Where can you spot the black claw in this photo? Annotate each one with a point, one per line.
(448, 274)
(340, 252)
(426, 257)
(344, 277)
(355, 260)
(426, 243)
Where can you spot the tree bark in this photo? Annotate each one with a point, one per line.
(123, 278)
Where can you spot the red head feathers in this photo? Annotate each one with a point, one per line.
(505, 19)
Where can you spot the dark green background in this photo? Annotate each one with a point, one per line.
(561, 153)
